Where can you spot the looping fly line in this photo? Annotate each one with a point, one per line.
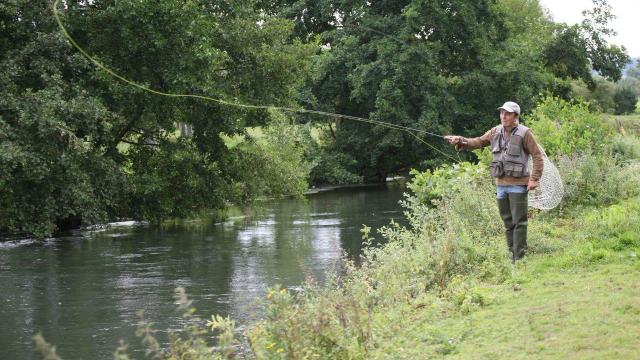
(409, 130)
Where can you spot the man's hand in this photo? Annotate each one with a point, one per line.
(457, 141)
(533, 184)
(453, 139)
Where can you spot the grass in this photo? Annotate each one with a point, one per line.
(630, 123)
(569, 299)
(576, 297)
(589, 313)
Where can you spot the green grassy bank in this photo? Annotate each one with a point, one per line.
(578, 296)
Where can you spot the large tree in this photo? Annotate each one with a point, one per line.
(77, 144)
(440, 66)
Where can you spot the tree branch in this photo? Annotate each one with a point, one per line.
(125, 130)
(134, 143)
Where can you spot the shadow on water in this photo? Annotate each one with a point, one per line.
(82, 292)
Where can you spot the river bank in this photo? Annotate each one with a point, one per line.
(444, 287)
(577, 295)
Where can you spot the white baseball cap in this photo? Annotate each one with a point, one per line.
(510, 106)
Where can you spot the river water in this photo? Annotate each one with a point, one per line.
(82, 292)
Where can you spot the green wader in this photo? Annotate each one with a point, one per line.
(513, 211)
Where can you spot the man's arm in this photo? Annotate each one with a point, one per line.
(531, 146)
(462, 143)
(479, 142)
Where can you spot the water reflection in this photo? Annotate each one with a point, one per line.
(83, 291)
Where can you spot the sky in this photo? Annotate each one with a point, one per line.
(626, 23)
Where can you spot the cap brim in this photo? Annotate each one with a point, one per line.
(506, 109)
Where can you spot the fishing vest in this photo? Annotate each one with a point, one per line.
(509, 157)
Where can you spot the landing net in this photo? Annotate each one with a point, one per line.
(551, 189)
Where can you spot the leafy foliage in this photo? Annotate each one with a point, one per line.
(52, 131)
(625, 101)
(77, 146)
(577, 49)
(271, 165)
(174, 180)
(424, 64)
(563, 127)
(449, 180)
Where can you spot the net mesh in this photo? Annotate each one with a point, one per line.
(551, 189)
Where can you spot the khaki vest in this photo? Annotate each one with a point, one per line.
(509, 158)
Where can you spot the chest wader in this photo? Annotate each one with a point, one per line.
(510, 158)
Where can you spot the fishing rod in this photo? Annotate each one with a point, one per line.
(114, 74)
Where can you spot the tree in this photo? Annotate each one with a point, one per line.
(625, 101)
(576, 50)
(76, 145)
(52, 130)
(442, 67)
(435, 66)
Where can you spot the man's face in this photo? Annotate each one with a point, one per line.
(507, 119)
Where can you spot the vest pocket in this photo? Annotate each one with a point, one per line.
(513, 169)
(495, 143)
(496, 169)
(515, 146)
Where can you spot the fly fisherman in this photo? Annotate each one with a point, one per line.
(511, 144)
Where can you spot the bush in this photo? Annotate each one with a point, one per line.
(566, 128)
(616, 227)
(625, 101)
(173, 179)
(270, 165)
(332, 167)
(328, 164)
(601, 235)
(597, 180)
(447, 179)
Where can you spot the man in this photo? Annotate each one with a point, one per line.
(511, 144)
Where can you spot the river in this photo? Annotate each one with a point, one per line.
(83, 291)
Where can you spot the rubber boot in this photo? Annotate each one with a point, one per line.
(519, 207)
(505, 214)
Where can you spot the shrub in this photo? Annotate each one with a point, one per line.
(597, 180)
(447, 179)
(332, 167)
(625, 101)
(565, 128)
(624, 147)
(177, 181)
(272, 164)
(328, 164)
